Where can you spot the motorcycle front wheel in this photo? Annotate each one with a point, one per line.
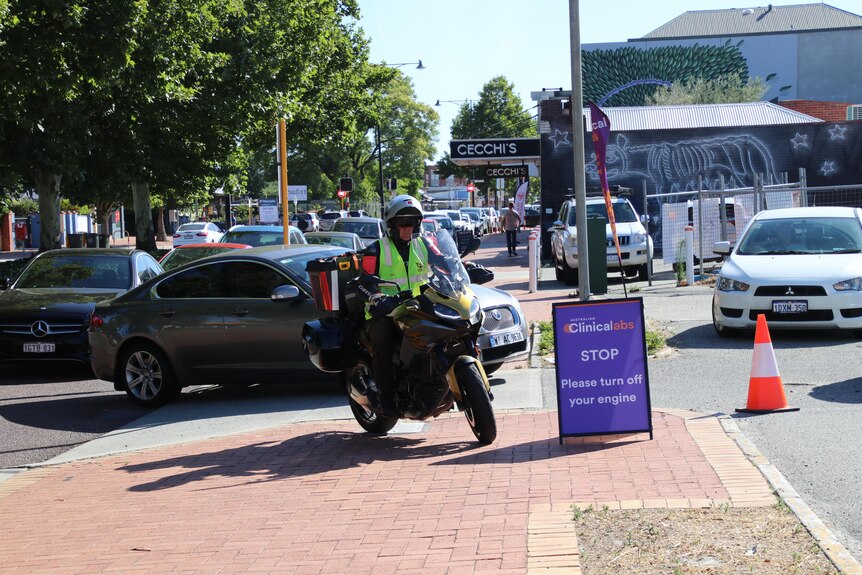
(476, 405)
(370, 421)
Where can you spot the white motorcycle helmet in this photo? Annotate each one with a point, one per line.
(402, 208)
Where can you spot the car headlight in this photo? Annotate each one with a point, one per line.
(639, 238)
(727, 284)
(573, 240)
(854, 284)
(475, 311)
(446, 312)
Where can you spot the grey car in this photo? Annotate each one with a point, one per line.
(369, 230)
(231, 318)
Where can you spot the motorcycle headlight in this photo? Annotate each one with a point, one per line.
(446, 312)
(854, 284)
(727, 284)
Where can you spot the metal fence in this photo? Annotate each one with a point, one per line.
(722, 215)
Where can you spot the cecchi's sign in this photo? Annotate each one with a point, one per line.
(506, 171)
(506, 148)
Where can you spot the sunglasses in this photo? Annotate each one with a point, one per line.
(405, 224)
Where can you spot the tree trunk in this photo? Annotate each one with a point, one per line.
(160, 226)
(145, 237)
(48, 187)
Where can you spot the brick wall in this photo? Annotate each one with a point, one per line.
(826, 111)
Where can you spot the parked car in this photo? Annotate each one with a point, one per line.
(461, 221)
(430, 226)
(369, 230)
(493, 219)
(184, 254)
(800, 267)
(347, 240)
(635, 245)
(232, 318)
(327, 219)
(306, 221)
(477, 216)
(503, 336)
(445, 221)
(262, 235)
(532, 217)
(45, 312)
(196, 233)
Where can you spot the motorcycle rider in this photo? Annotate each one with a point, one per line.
(401, 257)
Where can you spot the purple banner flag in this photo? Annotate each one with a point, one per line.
(600, 128)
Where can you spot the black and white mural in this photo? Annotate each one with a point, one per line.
(673, 161)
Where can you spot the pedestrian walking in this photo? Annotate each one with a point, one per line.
(511, 222)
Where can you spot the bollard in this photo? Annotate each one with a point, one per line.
(689, 255)
(532, 252)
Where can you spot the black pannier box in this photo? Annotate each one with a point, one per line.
(329, 277)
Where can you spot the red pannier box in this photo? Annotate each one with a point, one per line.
(329, 277)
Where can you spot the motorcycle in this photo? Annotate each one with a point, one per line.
(437, 364)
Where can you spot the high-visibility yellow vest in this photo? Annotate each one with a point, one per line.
(391, 268)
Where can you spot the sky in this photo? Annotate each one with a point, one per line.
(465, 43)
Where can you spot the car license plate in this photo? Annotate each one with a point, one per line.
(791, 306)
(506, 338)
(38, 347)
(612, 259)
(187, 236)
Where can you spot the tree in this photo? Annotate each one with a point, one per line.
(730, 88)
(498, 113)
(57, 61)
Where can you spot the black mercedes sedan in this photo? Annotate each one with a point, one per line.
(45, 312)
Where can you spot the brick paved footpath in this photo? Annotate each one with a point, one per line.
(324, 497)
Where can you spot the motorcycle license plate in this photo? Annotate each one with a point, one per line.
(506, 338)
(790, 306)
(39, 347)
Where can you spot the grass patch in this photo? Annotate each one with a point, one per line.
(656, 340)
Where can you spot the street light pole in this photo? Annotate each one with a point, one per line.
(380, 168)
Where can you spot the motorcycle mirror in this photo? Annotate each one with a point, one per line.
(479, 274)
(472, 246)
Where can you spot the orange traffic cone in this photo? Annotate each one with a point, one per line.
(765, 390)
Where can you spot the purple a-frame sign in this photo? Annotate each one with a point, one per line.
(602, 380)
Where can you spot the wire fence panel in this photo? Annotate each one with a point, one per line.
(722, 215)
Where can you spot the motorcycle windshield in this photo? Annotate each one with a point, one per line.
(446, 272)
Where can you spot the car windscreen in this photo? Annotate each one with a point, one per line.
(802, 236)
(105, 272)
(254, 238)
(623, 213)
(361, 229)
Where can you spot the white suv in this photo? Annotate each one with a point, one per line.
(635, 244)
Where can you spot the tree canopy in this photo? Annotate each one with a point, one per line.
(727, 89)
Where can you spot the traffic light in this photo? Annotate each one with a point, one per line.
(345, 184)
(392, 184)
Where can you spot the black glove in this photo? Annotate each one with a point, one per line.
(383, 305)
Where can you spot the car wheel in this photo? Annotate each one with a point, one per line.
(643, 272)
(724, 331)
(146, 376)
(570, 275)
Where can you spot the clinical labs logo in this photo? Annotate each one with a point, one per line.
(591, 325)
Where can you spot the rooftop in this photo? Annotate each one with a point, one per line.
(759, 20)
(627, 119)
